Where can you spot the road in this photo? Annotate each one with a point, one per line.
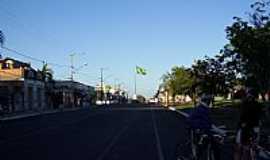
(126, 132)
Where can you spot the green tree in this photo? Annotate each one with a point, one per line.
(47, 73)
(250, 43)
(178, 81)
(213, 75)
(2, 38)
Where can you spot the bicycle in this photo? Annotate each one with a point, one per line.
(253, 151)
(202, 146)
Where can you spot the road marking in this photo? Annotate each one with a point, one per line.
(180, 112)
(158, 144)
(112, 143)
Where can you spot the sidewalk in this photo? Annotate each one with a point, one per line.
(14, 116)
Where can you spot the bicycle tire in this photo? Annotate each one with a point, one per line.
(246, 154)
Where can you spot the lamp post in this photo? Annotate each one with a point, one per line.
(72, 68)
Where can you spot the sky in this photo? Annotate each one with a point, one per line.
(117, 35)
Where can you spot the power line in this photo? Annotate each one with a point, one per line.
(33, 58)
(58, 65)
(13, 18)
(44, 61)
(23, 55)
(25, 28)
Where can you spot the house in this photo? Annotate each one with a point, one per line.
(21, 87)
(68, 94)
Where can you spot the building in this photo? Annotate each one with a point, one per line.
(110, 94)
(21, 86)
(68, 94)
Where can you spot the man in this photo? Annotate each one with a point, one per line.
(201, 123)
(199, 118)
(251, 111)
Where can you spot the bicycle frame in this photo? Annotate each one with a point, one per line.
(254, 152)
(205, 143)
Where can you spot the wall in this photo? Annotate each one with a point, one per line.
(11, 74)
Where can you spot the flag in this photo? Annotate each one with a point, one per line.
(140, 70)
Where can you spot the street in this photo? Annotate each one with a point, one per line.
(120, 132)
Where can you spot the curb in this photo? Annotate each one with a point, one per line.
(36, 114)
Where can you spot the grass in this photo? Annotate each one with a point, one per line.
(226, 112)
(217, 103)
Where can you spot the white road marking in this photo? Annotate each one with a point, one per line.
(180, 112)
(158, 144)
(112, 143)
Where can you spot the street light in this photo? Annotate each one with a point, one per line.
(72, 72)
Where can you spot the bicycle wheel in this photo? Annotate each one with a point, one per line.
(183, 152)
(247, 153)
(202, 152)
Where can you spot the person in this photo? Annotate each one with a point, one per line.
(249, 124)
(200, 116)
(200, 123)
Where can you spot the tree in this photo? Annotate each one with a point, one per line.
(178, 81)
(2, 38)
(250, 42)
(213, 75)
(47, 73)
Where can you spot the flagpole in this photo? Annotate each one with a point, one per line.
(135, 83)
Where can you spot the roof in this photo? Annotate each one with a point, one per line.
(74, 83)
(16, 61)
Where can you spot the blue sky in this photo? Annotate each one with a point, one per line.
(118, 35)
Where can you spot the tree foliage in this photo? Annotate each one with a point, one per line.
(2, 38)
(178, 81)
(47, 73)
(213, 75)
(250, 41)
(244, 60)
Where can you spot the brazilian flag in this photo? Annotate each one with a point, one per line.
(140, 70)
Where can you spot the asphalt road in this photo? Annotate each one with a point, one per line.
(130, 132)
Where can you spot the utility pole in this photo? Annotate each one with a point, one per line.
(135, 85)
(101, 83)
(71, 66)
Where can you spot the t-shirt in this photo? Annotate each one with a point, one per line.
(251, 112)
(199, 118)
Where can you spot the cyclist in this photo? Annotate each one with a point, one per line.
(201, 123)
(251, 111)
